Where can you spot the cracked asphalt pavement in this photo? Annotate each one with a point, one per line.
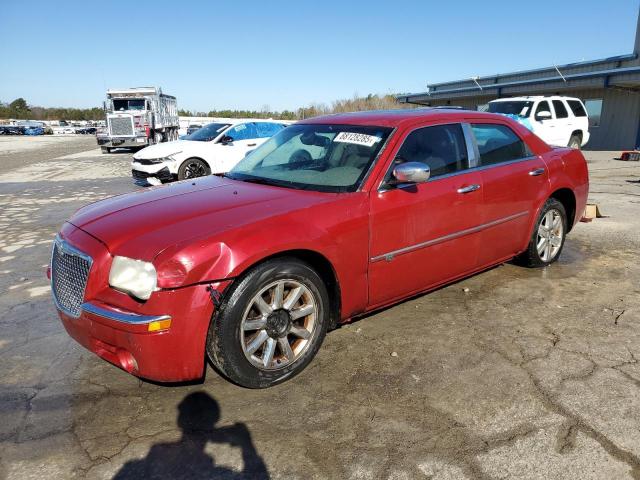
(513, 373)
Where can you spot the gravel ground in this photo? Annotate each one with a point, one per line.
(513, 373)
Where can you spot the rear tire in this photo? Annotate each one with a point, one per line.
(575, 141)
(193, 168)
(270, 324)
(547, 239)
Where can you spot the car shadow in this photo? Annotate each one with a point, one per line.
(186, 458)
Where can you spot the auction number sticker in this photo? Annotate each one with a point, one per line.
(357, 138)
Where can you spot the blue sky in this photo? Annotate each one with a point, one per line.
(286, 54)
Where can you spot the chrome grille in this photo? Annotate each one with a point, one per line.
(121, 126)
(69, 273)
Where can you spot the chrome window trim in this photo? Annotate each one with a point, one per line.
(122, 317)
(461, 172)
(67, 247)
(392, 254)
(473, 153)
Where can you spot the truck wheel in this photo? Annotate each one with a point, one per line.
(547, 239)
(192, 168)
(158, 137)
(270, 324)
(575, 141)
(105, 149)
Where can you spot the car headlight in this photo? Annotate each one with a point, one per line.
(133, 276)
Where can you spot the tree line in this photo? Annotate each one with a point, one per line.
(20, 109)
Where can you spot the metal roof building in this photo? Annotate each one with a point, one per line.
(610, 88)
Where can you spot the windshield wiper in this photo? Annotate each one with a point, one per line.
(260, 181)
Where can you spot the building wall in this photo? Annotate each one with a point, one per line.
(619, 122)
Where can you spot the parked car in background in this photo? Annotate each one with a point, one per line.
(86, 130)
(331, 218)
(212, 149)
(11, 130)
(193, 128)
(559, 121)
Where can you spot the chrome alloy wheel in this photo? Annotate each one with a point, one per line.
(278, 325)
(550, 235)
(195, 169)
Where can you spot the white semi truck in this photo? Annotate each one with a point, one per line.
(137, 117)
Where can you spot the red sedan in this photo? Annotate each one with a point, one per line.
(332, 217)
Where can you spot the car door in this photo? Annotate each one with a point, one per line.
(545, 128)
(514, 183)
(424, 234)
(564, 123)
(234, 145)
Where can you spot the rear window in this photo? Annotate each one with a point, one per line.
(561, 110)
(515, 107)
(577, 108)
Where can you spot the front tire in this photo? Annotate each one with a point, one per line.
(193, 168)
(270, 324)
(549, 234)
(105, 149)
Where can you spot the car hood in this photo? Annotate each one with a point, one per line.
(161, 150)
(142, 224)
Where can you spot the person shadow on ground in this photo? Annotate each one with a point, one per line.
(186, 458)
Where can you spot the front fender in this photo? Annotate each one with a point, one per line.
(339, 235)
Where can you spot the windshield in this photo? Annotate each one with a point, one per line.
(327, 158)
(207, 133)
(519, 108)
(128, 104)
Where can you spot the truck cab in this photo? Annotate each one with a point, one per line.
(138, 117)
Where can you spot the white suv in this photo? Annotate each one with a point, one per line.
(559, 121)
(214, 148)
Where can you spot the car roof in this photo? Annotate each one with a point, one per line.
(534, 97)
(396, 118)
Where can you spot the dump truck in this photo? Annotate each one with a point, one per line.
(137, 117)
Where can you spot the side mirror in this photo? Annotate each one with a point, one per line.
(411, 172)
(226, 140)
(544, 115)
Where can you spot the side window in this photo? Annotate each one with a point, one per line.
(267, 129)
(542, 107)
(442, 147)
(577, 108)
(561, 110)
(242, 131)
(498, 143)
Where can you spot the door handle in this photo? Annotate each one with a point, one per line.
(536, 172)
(251, 144)
(469, 188)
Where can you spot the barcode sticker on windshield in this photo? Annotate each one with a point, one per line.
(357, 138)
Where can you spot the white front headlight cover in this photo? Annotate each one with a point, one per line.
(133, 276)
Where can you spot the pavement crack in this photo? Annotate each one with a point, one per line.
(566, 438)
